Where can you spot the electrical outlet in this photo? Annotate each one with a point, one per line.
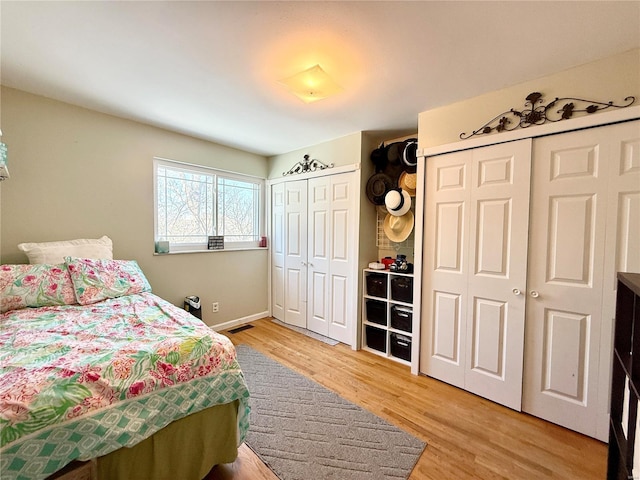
(215, 307)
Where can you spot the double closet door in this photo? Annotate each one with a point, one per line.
(519, 283)
(314, 254)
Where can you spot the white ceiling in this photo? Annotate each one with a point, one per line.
(210, 69)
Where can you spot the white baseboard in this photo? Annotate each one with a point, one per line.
(239, 321)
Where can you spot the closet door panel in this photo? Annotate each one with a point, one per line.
(332, 237)
(497, 259)
(566, 261)
(295, 284)
(277, 251)
(343, 285)
(319, 211)
(622, 246)
(444, 306)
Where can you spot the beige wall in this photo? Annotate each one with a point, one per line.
(341, 151)
(609, 79)
(79, 173)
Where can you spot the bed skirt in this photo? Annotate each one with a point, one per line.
(186, 449)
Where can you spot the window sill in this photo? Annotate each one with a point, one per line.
(180, 252)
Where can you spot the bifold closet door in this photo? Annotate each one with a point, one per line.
(584, 228)
(295, 253)
(332, 237)
(277, 250)
(474, 273)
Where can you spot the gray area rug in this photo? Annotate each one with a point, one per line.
(308, 333)
(303, 431)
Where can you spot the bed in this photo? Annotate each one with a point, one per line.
(94, 365)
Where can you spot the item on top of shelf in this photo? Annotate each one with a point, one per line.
(377, 266)
(398, 229)
(398, 202)
(387, 261)
(408, 182)
(400, 264)
(377, 187)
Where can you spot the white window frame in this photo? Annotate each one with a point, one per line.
(216, 173)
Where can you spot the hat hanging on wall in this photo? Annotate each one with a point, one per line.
(377, 187)
(394, 160)
(407, 181)
(397, 229)
(398, 202)
(410, 155)
(379, 158)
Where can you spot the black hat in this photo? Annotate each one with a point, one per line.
(377, 187)
(394, 165)
(409, 155)
(379, 157)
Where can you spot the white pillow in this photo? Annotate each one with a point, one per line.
(54, 252)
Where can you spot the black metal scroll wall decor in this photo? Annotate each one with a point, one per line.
(536, 113)
(307, 165)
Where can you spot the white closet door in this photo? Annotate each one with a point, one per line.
(623, 220)
(565, 322)
(332, 264)
(475, 259)
(319, 251)
(277, 250)
(295, 275)
(343, 286)
(444, 301)
(497, 276)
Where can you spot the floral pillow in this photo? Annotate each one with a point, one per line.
(97, 279)
(39, 285)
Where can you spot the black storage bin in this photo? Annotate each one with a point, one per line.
(401, 318)
(402, 289)
(377, 285)
(400, 346)
(377, 312)
(376, 338)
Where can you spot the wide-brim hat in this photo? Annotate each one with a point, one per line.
(398, 202)
(410, 155)
(398, 229)
(377, 187)
(408, 182)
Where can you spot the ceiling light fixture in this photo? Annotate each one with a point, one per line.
(311, 84)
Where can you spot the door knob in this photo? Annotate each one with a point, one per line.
(304, 264)
(310, 264)
(534, 294)
(516, 291)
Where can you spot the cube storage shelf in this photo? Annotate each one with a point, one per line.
(387, 314)
(624, 435)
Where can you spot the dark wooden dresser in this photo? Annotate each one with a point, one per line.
(625, 382)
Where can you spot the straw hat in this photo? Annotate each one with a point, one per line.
(407, 181)
(398, 202)
(398, 229)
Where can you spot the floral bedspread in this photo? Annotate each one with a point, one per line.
(77, 382)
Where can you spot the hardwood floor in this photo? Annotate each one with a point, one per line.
(467, 437)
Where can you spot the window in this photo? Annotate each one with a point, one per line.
(194, 202)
